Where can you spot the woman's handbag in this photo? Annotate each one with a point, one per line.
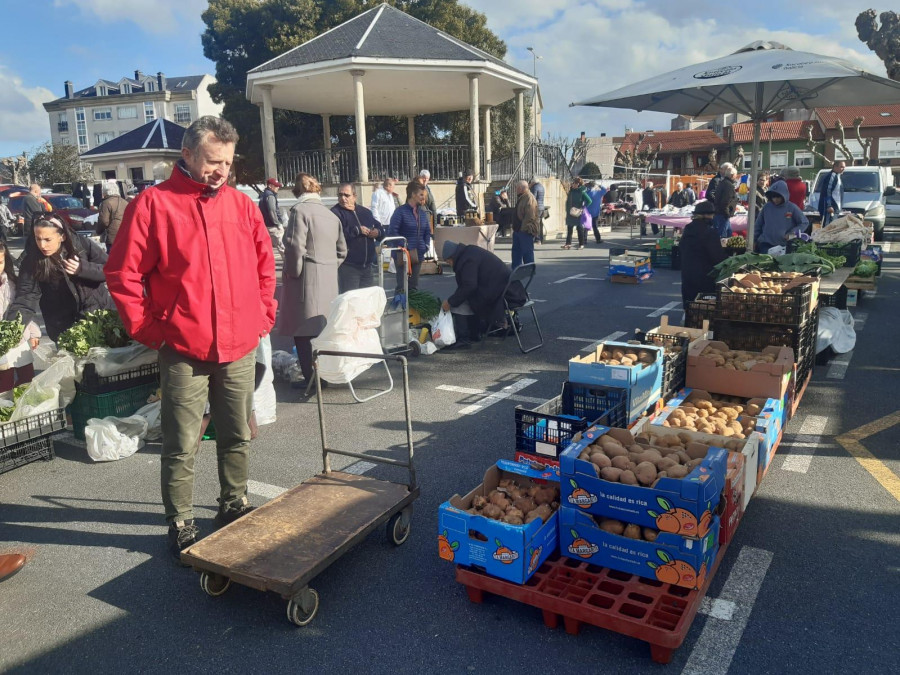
(576, 211)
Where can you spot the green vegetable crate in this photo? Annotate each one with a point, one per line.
(112, 404)
(850, 251)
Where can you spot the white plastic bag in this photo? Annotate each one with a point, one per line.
(114, 438)
(110, 361)
(264, 401)
(50, 389)
(151, 413)
(281, 364)
(836, 330)
(442, 331)
(353, 321)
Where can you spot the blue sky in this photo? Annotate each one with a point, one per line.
(588, 47)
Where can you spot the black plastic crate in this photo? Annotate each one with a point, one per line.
(700, 309)
(547, 429)
(666, 258)
(19, 454)
(32, 427)
(112, 404)
(92, 383)
(837, 299)
(674, 360)
(851, 250)
(791, 308)
(607, 406)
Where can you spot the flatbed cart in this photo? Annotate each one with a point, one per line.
(287, 542)
(394, 328)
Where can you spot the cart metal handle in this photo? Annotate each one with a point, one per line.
(387, 239)
(408, 464)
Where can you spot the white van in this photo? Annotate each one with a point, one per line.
(865, 190)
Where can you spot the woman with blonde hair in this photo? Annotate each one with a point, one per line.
(314, 247)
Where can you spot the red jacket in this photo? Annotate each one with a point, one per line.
(797, 190)
(194, 270)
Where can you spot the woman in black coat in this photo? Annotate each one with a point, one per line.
(62, 274)
(701, 250)
(481, 278)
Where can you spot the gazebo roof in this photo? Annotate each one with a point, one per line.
(161, 135)
(411, 68)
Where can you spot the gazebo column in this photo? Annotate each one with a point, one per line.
(520, 124)
(358, 98)
(268, 132)
(411, 137)
(328, 176)
(474, 133)
(487, 143)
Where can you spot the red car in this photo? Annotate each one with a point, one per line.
(67, 207)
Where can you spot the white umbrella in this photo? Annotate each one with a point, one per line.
(758, 80)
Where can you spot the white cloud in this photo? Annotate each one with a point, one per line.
(158, 16)
(22, 118)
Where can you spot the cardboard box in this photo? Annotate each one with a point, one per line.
(664, 328)
(511, 552)
(643, 381)
(679, 506)
(631, 263)
(767, 425)
(671, 559)
(766, 455)
(764, 380)
(537, 462)
(749, 450)
(734, 499)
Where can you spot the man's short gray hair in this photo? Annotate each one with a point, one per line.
(196, 134)
(522, 184)
(731, 170)
(725, 169)
(425, 173)
(109, 188)
(349, 185)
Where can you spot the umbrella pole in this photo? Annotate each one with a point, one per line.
(751, 193)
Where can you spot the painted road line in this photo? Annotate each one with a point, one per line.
(576, 276)
(799, 459)
(717, 608)
(639, 307)
(717, 644)
(496, 397)
(575, 339)
(663, 310)
(481, 392)
(837, 368)
(808, 444)
(612, 337)
(359, 468)
(537, 300)
(264, 489)
(859, 321)
(878, 470)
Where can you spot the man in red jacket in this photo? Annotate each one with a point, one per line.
(193, 276)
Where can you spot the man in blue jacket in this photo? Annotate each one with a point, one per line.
(361, 231)
(831, 192)
(411, 221)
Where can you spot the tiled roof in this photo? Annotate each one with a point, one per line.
(178, 83)
(675, 141)
(778, 131)
(158, 135)
(381, 32)
(875, 115)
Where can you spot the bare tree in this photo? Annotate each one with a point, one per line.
(574, 149)
(839, 142)
(884, 41)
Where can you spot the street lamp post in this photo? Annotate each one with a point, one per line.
(535, 58)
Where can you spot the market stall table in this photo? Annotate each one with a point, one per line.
(738, 222)
(475, 235)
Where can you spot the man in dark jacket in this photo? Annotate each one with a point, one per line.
(537, 189)
(268, 206)
(31, 208)
(481, 278)
(465, 194)
(678, 198)
(430, 204)
(112, 208)
(701, 250)
(361, 231)
(411, 221)
(648, 194)
(726, 201)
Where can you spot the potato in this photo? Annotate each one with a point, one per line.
(611, 473)
(694, 463)
(584, 455)
(682, 457)
(492, 511)
(513, 511)
(645, 473)
(534, 515)
(512, 520)
(650, 455)
(615, 451)
(618, 354)
(628, 478)
(479, 502)
(677, 472)
(620, 462)
(612, 526)
(632, 531)
(525, 504)
(600, 460)
(545, 495)
(543, 512)
(697, 451)
(499, 499)
(649, 533)
(665, 463)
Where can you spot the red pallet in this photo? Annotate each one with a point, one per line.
(646, 609)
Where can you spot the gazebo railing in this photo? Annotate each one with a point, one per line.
(445, 162)
(540, 159)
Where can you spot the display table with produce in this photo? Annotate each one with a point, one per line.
(738, 222)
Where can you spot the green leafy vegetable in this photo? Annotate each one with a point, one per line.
(811, 248)
(804, 263)
(18, 392)
(428, 305)
(736, 263)
(10, 334)
(865, 268)
(102, 328)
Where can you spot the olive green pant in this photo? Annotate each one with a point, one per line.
(187, 384)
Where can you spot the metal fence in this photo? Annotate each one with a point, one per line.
(540, 159)
(445, 162)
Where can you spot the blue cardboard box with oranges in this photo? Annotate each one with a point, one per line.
(682, 506)
(507, 551)
(671, 559)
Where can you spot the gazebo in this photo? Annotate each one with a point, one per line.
(384, 62)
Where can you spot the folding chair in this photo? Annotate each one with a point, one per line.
(524, 275)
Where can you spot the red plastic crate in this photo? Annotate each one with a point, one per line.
(646, 609)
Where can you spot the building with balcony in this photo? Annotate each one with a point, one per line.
(781, 144)
(881, 123)
(107, 109)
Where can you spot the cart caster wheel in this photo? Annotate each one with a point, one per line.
(398, 527)
(214, 584)
(415, 349)
(303, 607)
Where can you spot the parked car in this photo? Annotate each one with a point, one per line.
(67, 207)
(892, 209)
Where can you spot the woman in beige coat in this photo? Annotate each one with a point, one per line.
(314, 247)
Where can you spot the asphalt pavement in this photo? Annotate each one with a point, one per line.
(809, 585)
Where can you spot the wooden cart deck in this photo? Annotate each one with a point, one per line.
(283, 544)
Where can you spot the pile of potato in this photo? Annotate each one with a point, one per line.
(662, 341)
(619, 356)
(770, 284)
(736, 359)
(715, 416)
(517, 504)
(640, 465)
(629, 530)
(680, 441)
